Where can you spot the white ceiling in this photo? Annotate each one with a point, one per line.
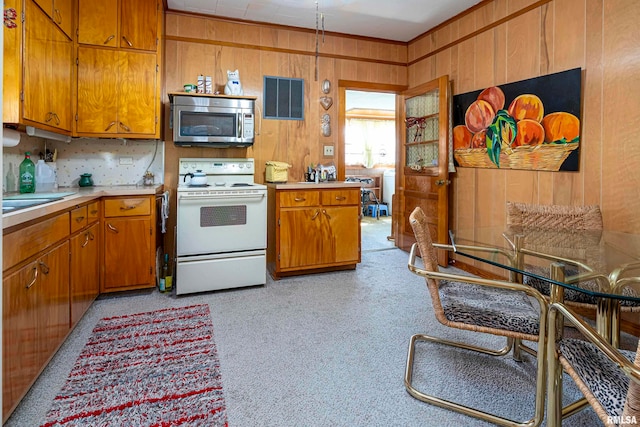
(400, 20)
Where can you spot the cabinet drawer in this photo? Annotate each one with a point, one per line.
(340, 197)
(127, 207)
(290, 199)
(32, 239)
(79, 218)
(93, 211)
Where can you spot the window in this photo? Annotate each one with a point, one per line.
(283, 98)
(370, 142)
(370, 129)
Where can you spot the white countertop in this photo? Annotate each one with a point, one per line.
(82, 195)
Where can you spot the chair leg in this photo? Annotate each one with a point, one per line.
(447, 404)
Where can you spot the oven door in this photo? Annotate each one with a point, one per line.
(218, 223)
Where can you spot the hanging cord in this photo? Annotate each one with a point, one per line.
(154, 156)
(317, 47)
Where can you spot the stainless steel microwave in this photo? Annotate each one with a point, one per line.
(209, 121)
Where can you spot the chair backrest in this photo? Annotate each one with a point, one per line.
(555, 217)
(418, 221)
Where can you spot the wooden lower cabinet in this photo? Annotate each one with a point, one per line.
(85, 270)
(314, 230)
(35, 321)
(129, 238)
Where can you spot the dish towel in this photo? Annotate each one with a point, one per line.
(164, 211)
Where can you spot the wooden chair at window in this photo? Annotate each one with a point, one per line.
(564, 220)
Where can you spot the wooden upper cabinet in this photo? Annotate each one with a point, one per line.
(98, 23)
(47, 71)
(129, 24)
(139, 24)
(117, 93)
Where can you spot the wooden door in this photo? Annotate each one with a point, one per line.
(127, 249)
(59, 81)
(423, 161)
(342, 239)
(301, 237)
(97, 91)
(139, 24)
(20, 362)
(53, 313)
(37, 64)
(63, 15)
(137, 93)
(85, 271)
(98, 23)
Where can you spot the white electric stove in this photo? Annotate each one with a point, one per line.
(221, 225)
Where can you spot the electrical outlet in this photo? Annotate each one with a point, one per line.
(328, 150)
(126, 160)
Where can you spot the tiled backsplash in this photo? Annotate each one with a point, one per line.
(109, 161)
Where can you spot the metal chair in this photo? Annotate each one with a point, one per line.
(481, 305)
(565, 220)
(608, 377)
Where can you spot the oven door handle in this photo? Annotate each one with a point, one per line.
(222, 197)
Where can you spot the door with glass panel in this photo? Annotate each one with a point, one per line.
(423, 161)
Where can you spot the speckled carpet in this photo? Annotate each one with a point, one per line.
(157, 368)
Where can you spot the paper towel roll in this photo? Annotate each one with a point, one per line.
(10, 137)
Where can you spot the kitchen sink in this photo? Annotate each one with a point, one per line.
(15, 204)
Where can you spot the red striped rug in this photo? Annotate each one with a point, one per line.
(158, 368)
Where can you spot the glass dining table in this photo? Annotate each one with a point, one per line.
(601, 265)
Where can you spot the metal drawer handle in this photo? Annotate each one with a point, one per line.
(87, 237)
(94, 212)
(44, 267)
(127, 41)
(127, 208)
(80, 219)
(315, 215)
(326, 214)
(57, 16)
(340, 198)
(112, 228)
(109, 126)
(299, 199)
(109, 39)
(35, 277)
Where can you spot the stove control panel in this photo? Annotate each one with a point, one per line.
(217, 166)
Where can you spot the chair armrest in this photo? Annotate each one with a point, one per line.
(501, 284)
(592, 336)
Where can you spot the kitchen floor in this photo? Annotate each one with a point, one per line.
(375, 232)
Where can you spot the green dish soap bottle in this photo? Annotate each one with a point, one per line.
(27, 174)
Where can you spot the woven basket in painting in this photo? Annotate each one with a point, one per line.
(546, 157)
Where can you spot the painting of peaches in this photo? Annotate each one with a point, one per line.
(532, 124)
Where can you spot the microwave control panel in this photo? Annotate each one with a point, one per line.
(247, 126)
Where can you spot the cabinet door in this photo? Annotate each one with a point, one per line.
(137, 89)
(139, 24)
(301, 237)
(46, 5)
(63, 15)
(98, 23)
(20, 362)
(97, 91)
(342, 242)
(37, 65)
(85, 271)
(127, 249)
(47, 71)
(53, 316)
(59, 81)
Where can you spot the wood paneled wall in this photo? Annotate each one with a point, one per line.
(196, 44)
(503, 41)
